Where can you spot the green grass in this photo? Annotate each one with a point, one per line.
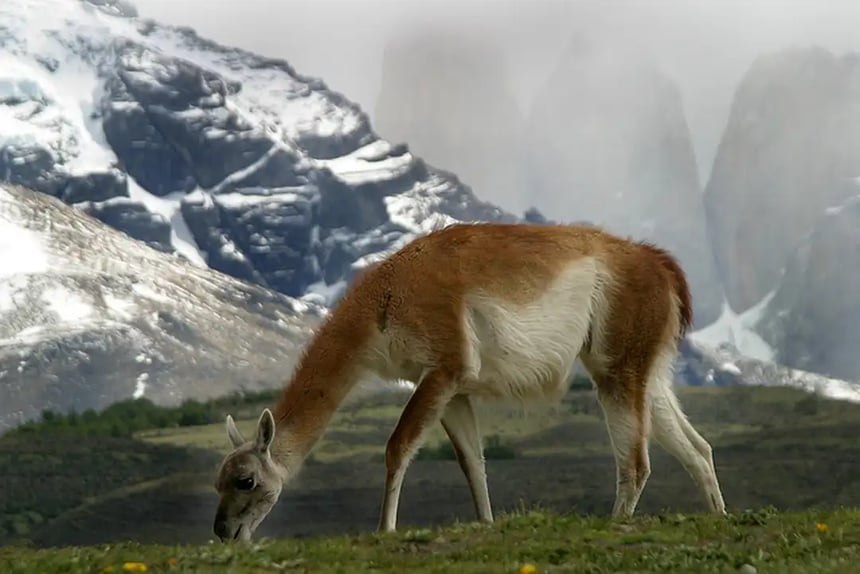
(362, 426)
(773, 446)
(767, 540)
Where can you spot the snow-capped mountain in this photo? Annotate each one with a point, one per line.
(89, 316)
(812, 318)
(221, 160)
(782, 211)
(233, 160)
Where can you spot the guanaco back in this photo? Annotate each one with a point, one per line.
(486, 310)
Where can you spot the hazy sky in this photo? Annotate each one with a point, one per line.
(706, 45)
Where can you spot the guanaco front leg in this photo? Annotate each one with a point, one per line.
(424, 409)
(461, 424)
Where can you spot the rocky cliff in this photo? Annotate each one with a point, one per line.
(788, 152)
(781, 207)
(812, 318)
(608, 143)
(233, 160)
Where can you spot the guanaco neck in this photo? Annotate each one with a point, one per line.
(327, 371)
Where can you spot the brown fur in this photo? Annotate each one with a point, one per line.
(403, 317)
(420, 289)
(679, 282)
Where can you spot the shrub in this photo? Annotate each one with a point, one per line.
(124, 418)
(493, 450)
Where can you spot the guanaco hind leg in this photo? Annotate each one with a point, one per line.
(630, 422)
(627, 423)
(676, 435)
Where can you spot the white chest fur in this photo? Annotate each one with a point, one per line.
(525, 350)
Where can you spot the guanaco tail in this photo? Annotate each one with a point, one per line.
(486, 310)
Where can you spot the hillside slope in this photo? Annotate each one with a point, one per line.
(89, 316)
(773, 446)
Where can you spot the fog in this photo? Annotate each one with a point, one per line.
(705, 45)
(555, 104)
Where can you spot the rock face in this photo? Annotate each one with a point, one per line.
(445, 92)
(788, 152)
(608, 143)
(236, 163)
(231, 159)
(812, 318)
(89, 316)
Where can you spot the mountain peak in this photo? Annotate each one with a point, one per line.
(232, 159)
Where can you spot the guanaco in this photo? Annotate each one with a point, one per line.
(492, 310)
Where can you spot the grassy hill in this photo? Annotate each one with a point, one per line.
(143, 474)
(763, 541)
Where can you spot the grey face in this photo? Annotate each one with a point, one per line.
(248, 482)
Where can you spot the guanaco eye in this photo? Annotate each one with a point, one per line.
(245, 483)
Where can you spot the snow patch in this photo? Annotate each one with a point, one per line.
(146, 291)
(416, 210)
(730, 367)
(140, 385)
(825, 386)
(738, 330)
(239, 175)
(68, 306)
(756, 372)
(169, 207)
(837, 209)
(238, 200)
(121, 308)
(53, 112)
(8, 290)
(21, 249)
(368, 164)
(320, 293)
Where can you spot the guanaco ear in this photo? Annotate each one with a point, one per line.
(233, 433)
(265, 431)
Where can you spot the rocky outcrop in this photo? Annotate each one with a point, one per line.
(608, 143)
(812, 320)
(229, 158)
(446, 92)
(788, 151)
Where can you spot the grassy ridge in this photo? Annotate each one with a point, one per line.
(774, 446)
(814, 542)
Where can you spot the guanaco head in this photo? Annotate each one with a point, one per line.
(248, 482)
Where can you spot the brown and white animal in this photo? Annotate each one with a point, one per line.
(486, 310)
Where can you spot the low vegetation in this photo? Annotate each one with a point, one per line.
(819, 542)
(494, 449)
(144, 473)
(125, 418)
(45, 476)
